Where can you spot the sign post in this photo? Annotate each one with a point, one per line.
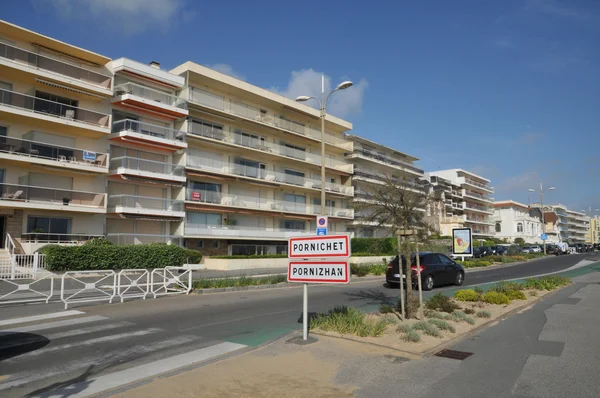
(321, 225)
(318, 259)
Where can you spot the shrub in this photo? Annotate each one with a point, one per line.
(546, 282)
(478, 290)
(193, 256)
(404, 328)
(435, 315)
(476, 263)
(98, 242)
(469, 311)
(386, 309)
(427, 328)
(253, 256)
(459, 316)
(467, 295)
(412, 336)
(516, 295)
(236, 282)
(533, 293)
(358, 270)
(344, 320)
(442, 303)
(374, 246)
(506, 286)
(496, 298)
(483, 314)
(442, 325)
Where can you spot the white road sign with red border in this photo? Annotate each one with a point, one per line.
(319, 271)
(319, 246)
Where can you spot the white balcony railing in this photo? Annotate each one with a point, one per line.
(21, 56)
(145, 202)
(254, 114)
(388, 159)
(262, 174)
(138, 239)
(150, 166)
(151, 94)
(479, 185)
(31, 194)
(150, 130)
(483, 209)
(264, 146)
(237, 231)
(479, 196)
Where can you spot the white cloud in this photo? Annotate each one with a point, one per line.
(129, 16)
(308, 82)
(227, 70)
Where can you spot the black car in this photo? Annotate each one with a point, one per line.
(553, 249)
(436, 269)
(488, 250)
(478, 252)
(501, 250)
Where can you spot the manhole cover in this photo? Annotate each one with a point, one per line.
(452, 354)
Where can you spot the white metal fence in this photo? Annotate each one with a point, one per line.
(22, 266)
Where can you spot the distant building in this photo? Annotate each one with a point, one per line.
(514, 220)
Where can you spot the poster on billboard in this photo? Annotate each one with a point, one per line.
(462, 242)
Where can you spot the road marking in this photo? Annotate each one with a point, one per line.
(90, 364)
(57, 324)
(40, 317)
(127, 376)
(104, 339)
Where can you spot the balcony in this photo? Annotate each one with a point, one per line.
(269, 176)
(379, 179)
(148, 206)
(472, 220)
(52, 68)
(32, 197)
(148, 134)
(63, 239)
(147, 169)
(236, 231)
(478, 196)
(19, 150)
(236, 139)
(28, 106)
(477, 184)
(256, 115)
(482, 232)
(155, 101)
(140, 239)
(270, 205)
(387, 160)
(476, 208)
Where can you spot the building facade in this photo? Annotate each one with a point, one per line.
(446, 212)
(573, 226)
(593, 234)
(514, 220)
(469, 201)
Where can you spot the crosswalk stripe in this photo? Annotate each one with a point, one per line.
(112, 358)
(70, 333)
(57, 324)
(104, 339)
(42, 317)
(127, 376)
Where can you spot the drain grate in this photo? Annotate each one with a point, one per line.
(452, 354)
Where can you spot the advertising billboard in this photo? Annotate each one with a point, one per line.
(462, 242)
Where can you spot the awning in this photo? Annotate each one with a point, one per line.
(214, 177)
(148, 218)
(52, 84)
(151, 181)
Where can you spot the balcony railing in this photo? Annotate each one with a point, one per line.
(478, 220)
(32, 194)
(56, 237)
(139, 239)
(53, 65)
(471, 206)
(145, 202)
(151, 130)
(151, 94)
(388, 159)
(479, 196)
(409, 184)
(149, 166)
(262, 174)
(479, 184)
(33, 149)
(238, 231)
(261, 145)
(252, 113)
(253, 202)
(52, 108)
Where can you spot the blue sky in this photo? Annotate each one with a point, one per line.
(508, 89)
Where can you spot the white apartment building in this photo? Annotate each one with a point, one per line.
(516, 220)
(446, 212)
(372, 163)
(474, 208)
(573, 226)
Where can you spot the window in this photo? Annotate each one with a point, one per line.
(520, 227)
(207, 129)
(55, 105)
(367, 232)
(199, 244)
(445, 260)
(53, 229)
(297, 225)
(498, 227)
(3, 131)
(216, 244)
(204, 192)
(295, 202)
(249, 140)
(328, 202)
(249, 168)
(206, 219)
(294, 151)
(294, 177)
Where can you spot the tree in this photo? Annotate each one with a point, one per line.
(519, 241)
(400, 205)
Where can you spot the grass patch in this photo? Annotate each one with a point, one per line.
(404, 328)
(467, 295)
(496, 298)
(442, 303)
(442, 325)
(344, 320)
(483, 314)
(516, 295)
(546, 282)
(506, 286)
(236, 282)
(459, 316)
(412, 336)
(428, 328)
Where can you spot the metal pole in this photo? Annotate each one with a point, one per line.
(419, 281)
(305, 313)
(400, 272)
(323, 115)
(543, 216)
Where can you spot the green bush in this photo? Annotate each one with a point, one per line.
(483, 314)
(467, 295)
(193, 256)
(496, 298)
(442, 303)
(506, 286)
(475, 263)
(428, 328)
(253, 256)
(515, 295)
(404, 328)
(98, 242)
(105, 257)
(469, 311)
(442, 325)
(386, 309)
(459, 316)
(344, 320)
(366, 269)
(546, 282)
(358, 270)
(374, 246)
(412, 336)
(237, 282)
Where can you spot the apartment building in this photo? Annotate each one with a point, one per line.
(253, 166)
(373, 164)
(446, 211)
(55, 118)
(516, 220)
(473, 210)
(593, 234)
(572, 225)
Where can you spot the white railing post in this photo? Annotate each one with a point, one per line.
(36, 263)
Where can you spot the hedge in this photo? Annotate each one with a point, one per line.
(104, 257)
(374, 246)
(252, 256)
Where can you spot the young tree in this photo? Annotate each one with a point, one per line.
(400, 206)
(519, 241)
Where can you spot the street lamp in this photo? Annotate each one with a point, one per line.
(542, 207)
(323, 107)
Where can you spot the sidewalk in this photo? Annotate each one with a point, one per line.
(549, 350)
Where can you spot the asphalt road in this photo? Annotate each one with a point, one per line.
(116, 337)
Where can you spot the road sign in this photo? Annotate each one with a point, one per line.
(544, 236)
(319, 246)
(321, 231)
(321, 221)
(319, 272)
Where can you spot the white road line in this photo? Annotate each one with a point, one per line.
(104, 339)
(57, 324)
(94, 364)
(127, 376)
(70, 333)
(42, 317)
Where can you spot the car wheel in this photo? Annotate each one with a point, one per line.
(428, 283)
(460, 278)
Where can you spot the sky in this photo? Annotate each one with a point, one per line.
(508, 89)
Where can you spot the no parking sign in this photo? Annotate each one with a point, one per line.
(321, 225)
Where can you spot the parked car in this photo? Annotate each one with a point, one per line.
(478, 252)
(436, 269)
(487, 251)
(501, 250)
(553, 249)
(536, 249)
(526, 250)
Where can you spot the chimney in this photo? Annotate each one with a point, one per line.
(155, 65)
